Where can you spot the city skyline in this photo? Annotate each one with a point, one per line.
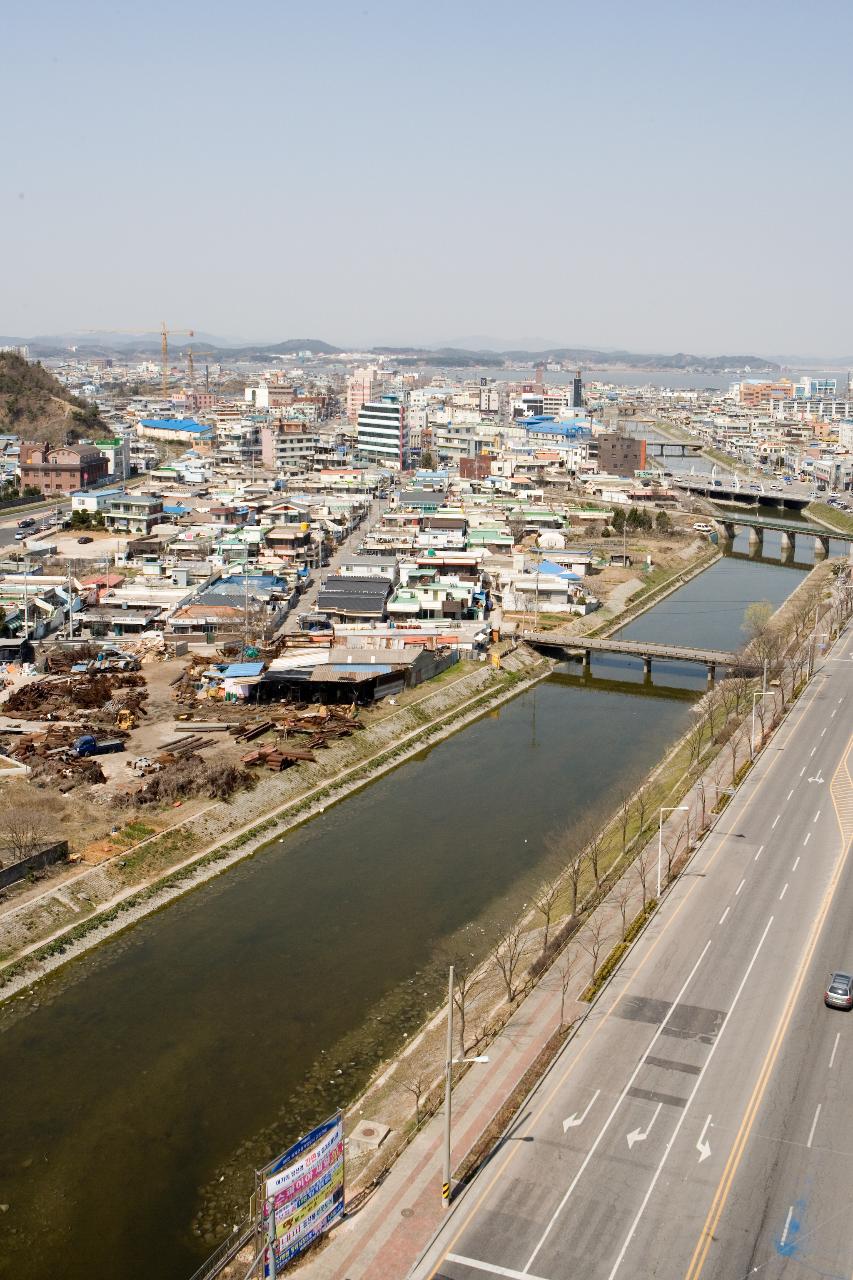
(614, 178)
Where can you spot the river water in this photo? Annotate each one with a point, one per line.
(212, 1033)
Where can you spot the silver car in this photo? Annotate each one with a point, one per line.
(839, 991)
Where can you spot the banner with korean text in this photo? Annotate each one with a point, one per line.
(303, 1193)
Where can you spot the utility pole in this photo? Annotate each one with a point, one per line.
(70, 619)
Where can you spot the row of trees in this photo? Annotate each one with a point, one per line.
(639, 518)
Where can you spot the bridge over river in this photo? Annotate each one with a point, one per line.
(787, 528)
(585, 646)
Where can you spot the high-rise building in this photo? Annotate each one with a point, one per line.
(620, 455)
(382, 432)
(360, 389)
(577, 391)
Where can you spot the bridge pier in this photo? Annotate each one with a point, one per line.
(647, 665)
(756, 536)
(586, 660)
(727, 530)
(712, 672)
(788, 541)
(821, 546)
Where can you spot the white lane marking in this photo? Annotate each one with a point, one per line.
(740, 886)
(832, 713)
(823, 731)
(802, 771)
(603, 1130)
(790, 793)
(817, 815)
(723, 916)
(796, 863)
(808, 837)
(814, 1124)
(491, 1267)
(834, 1049)
(575, 1119)
(647, 1197)
(703, 1147)
(640, 1135)
(841, 699)
(784, 891)
(787, 1225)
(758, 855)
(776, 819)
(811, 753)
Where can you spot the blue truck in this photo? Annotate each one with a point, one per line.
(88, 745)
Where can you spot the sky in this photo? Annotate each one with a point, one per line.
(660, 176)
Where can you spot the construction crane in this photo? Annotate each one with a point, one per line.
(165, 334)
(191, 368)
(164, 348)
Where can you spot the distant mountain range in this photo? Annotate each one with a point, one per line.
(147, 346)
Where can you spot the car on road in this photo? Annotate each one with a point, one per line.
(83, 541)
(27, 523)
(839, 991)
(20, 535)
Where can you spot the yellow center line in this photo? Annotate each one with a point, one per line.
(477, 1205)
(718, 1204)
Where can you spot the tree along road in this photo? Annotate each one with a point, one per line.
(701, 1121)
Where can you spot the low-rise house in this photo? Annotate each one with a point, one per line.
(354, 599)
(61, 469)
(133, 513)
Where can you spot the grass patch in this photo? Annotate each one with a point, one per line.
(840, 520)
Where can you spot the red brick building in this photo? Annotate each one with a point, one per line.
(61, 469)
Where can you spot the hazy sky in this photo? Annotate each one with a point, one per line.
(653, 175)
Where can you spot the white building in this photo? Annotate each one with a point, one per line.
(382, 434)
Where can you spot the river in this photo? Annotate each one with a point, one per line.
(213, 1032)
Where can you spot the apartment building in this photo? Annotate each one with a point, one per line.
(360, 390)
(382, 437)
(288, 446)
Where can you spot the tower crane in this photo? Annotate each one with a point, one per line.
(164, 348)
(165, 334)
(191, 367)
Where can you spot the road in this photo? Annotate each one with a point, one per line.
(701, 1121)
(347, 548)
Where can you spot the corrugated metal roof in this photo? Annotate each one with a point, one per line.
(238, 670)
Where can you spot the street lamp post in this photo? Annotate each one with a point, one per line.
(672, 808)
(756, 695)
(450, 1063)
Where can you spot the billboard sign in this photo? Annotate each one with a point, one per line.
(303, 1193)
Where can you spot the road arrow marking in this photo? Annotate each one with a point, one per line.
(703, 1147)
(575, 1119)
(637, 1135)
(817, 777)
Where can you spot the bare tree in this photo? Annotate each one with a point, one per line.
(594, 851)
(641, 804)
(544, 901)
(622, 894)
(642, 868)
(624, 821)
(734, 745)
(695, 742)
(27, 823)
(592, 939)
(565, 972)
(573, 858)
(416, 1082)
(464, 983)
(702, 796)
(507, 956)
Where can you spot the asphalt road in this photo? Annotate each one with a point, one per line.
(701, 1122)
(349, 547)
